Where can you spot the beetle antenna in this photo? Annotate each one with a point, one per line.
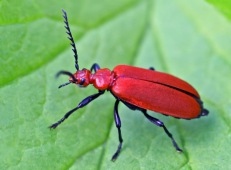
(68, 74)
(71, 39)
(62, 85)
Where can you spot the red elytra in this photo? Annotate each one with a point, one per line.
(156, 91)
(139, 89)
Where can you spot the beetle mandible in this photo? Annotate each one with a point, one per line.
(137, 88)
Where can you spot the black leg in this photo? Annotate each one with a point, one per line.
(83, 103)
(151, 68)
(204, 112)
(161, 124)
(118, 125)
(95, 67)
(156, 122)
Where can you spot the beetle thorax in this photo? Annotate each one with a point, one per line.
(102, 79)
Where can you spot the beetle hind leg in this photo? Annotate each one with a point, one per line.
(161, 124)
(154, 121)
(118, 125)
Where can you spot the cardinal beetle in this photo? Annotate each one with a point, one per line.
(137, 88)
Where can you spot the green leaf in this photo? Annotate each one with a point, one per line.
(223, 5)
(189, 39)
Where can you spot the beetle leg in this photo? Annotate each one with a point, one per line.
(95, 67)
(83, 103)
(155, 121)
(161, 124)
(118, 125)
(151, 68)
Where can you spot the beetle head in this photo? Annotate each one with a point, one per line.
(80, 77)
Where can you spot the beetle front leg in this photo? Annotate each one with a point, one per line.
(95, 67)
(161, 124)
(118, 125)
(83, 103)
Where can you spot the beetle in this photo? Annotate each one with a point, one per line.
(139, 89)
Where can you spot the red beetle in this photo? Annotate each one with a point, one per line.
(139, 89)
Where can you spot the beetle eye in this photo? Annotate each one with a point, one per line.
(82, 81)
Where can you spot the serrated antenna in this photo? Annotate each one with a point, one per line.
(71, 39)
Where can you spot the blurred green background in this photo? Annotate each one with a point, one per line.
(189, 39)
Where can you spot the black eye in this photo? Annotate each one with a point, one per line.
(82, 81)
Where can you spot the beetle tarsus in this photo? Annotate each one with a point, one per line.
(115, 156)
(53, 126)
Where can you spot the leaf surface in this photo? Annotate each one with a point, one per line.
(189, 39)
